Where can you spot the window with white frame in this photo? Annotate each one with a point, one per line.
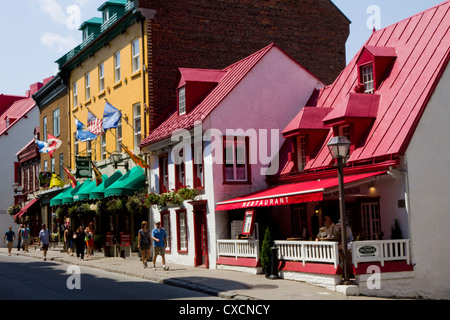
(105, 15)
(137, 124)
(367, 78)
(236, 164)
(103, 146)
(301, 153)
(197, 160)
(370, 219)
(53, 164)
(56, 122)
(87, 82)
(101, 77)
(44, 127)
(117, 66)
(135, 56)
(180, 173)
(75, 94)
(163, 174)
(182, 101)
(61, 165)
(119, 136)
(45, 166)
(165, 223)
(182, 230)
(75, 144)
(89, 148)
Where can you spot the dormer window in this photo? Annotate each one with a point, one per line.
(301, 153)
(105, 15)
(182, 101)
(367, 78)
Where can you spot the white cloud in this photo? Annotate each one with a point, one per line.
(53, 9)
(58, 43)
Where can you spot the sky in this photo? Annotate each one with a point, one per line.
(35, 33)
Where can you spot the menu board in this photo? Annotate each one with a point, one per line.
(249, 222)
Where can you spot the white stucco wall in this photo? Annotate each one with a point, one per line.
(428, 160)
(18, 136)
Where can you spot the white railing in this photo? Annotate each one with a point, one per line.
(308, 251)
(238, 248)
(380, 251)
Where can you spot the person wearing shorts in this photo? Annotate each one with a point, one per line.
(144, 242)
(159, 244)
(44, 237)
(9, 237)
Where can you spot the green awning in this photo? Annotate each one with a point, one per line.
(85, 189)
(57, 200)
(68, 196)
(131, 182)
(99, 191)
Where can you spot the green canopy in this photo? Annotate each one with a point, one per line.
(85, 189)
(99, 191)
(57, 200)
(68, 196)
(131, 182)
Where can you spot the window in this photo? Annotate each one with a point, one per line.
(182, 230)
(36, 176)
(101, 77)
(197, 160)
(61, 165)
(103, 146)
(137, 124)
(117, 66)
(87, 82)
(56, 123)
(53, 164)
(370, 218)
(165, 223)
(301, 153)
(75, 144)
(105, 15)
(180, 173)
(298, 219)
(89, 148)
(135, 56)
(119, 136)
(44, 128)
(367, 78)
(75, 95)
(182, 101)
(236, 159)
(163, 174)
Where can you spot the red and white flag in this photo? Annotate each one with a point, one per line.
(95, 125)
(53, 144)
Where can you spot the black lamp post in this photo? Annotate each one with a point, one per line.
(339, 147)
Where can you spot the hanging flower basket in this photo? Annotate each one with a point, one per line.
(14, 209)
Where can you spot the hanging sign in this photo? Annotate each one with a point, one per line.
(83, 167)
(249, 222)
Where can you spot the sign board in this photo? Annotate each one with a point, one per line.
(367, 252)
(110, 239)
(125, 239)
(249, 222)
(83, 167)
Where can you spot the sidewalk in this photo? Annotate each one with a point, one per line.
(221, 283)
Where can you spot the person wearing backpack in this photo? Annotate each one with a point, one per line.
(25, 238)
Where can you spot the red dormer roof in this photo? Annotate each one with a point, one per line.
(422, 48)
(200, 75)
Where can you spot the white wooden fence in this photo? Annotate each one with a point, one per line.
(238, 248)
(308, 251)
(380, 251)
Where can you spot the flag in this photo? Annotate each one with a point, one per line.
(53, 144)
(56, 181)
(95, 125)
(43, 146)
(73, 181)
(81, 134)
(111, 117)
(136, 158)
(44, 179)
(98, 175)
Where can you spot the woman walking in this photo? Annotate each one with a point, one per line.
(144, 242)
(89, 231)
(80, 243)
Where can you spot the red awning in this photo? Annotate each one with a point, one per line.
(308, 191)
(25, 209)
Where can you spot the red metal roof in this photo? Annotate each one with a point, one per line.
(422, 49)
(231, 76)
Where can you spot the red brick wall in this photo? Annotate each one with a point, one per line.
(216, 33)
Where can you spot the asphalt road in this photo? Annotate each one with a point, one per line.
(23, 278)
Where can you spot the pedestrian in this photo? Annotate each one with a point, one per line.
(159, 244)
(144, 242)
(68, 239)
(89, 231)
(25, 238)
(19, 237)
(44, 237)
(80, 243)
(10, 236)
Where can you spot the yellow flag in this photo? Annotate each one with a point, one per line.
(56, 181)
(136, 158)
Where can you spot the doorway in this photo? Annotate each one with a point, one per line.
(200, 235)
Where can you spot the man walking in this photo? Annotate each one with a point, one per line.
(10, 236)
(44, 237)
(159, 244)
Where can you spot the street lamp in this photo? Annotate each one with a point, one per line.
(339, 147)
(116, 157)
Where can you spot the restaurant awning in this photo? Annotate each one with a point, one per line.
(25, 209)
(85, 189)
(99, 191)
(68, 196)
(300, 192)
(131, 182)
(57, 200)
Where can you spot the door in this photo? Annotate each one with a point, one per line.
(200, 237)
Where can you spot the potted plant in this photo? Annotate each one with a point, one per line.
(152, 199)
(266, 251)
(170, 198)
(14, 209)
(187, 193)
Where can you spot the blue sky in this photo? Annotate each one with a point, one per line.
(35, 33)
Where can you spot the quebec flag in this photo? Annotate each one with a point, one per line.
(111, 117)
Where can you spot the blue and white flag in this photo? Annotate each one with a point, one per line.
(82, 134)
(111, 117)
(43, 146)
